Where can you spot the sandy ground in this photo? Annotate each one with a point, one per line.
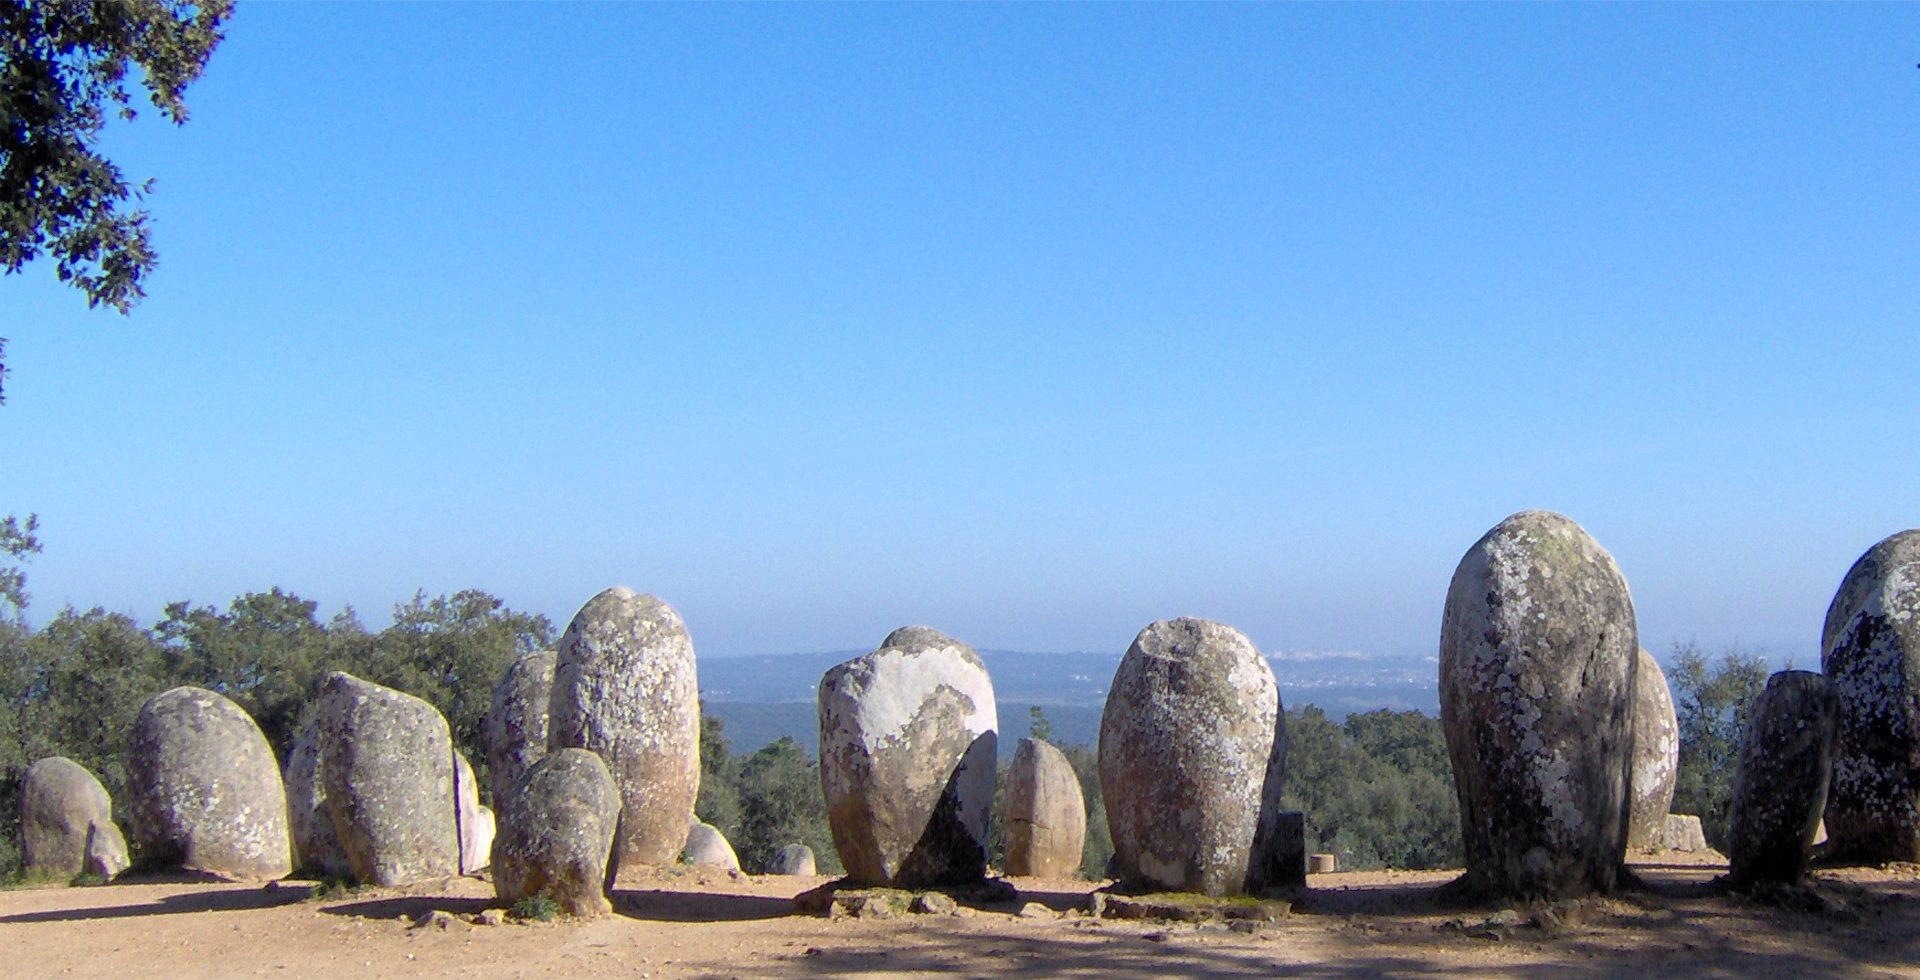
(1853, 922)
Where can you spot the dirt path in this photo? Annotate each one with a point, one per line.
(1856, 922)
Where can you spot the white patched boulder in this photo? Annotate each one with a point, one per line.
(1046, 826)
(1656, 755)
(475, 821)
(387, 771)
(907, 755)
(1193, 749)
(624, 687)
(1871, 652)
(204, 790)
(1538, 650)
(66, 823)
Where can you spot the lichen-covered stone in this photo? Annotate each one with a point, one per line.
(203, 788)
(1193, 749)
(66, 822)
(386, 767)
(1656, 755)
(793, 859)
(1684, 833)
(475, 821)
(1046, 822)
(907, 753)
(1871, 652)
(624, 687)
(316, 848)
(707, 847)
(517, 722)
(1780, 785)
(1538, 650)
(556, 834)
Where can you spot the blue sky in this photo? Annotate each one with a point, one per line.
(1030, 323)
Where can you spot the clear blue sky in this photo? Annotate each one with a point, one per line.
(1031, 323)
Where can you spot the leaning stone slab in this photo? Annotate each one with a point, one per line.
(557, 834)
(203, 787)
(1046, 821)
(387, 768)
(66, 822)
(1780, 787)
(1656, 755)
(1871, 651)
(907, 744)
(1538, 648)
(624, 687)
(517, 722)
(1193, 749)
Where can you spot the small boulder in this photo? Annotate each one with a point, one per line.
(1780, 786)
(1684, 833)
(517, 722)
(707, 847)
(386, 764)
(556, 834)
(907, 747)
(624, 687)
(204, 789)
(1656, 755)
(793, 859)
(1046, 821)
(316, 848)
(1193, 749)
(1538, 648)
(66, 822)
(475, 821)
(1871, 652)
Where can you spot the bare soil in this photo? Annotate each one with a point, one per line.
(1861, 922)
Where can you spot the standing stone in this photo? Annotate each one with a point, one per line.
(907, 745)
(66, 823)
(556, 834)
(475, 821)
(517, 722)
(624, 687)
(1684, 833)
(1193, 750)
(707, 847)
(204, 789)
(386, 765)
(1538, 647)
(794, 859)
(1871, 651)
(1780, 787)
(316, 848)
(1046, 816)
(1656, 755)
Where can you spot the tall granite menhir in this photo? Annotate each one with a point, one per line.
(1656, 755)
(386, 769)
(1193, 750)
(1780, 785)
(1537, 660)
(203, 788)
(908, 738)
(624, 687)
(1871, 652)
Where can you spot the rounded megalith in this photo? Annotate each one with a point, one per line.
(386, 767)
(66, 823)
(203, 788)
(793, 859)
(1193, 750)
(1780, 785)
(707, 847)
(517, 722)
(1538, 649)
(1656, 755)
(556, 834)
(1046, 815)
(907, 754)
(624, 687)
(1871, 651)
(316, 848)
